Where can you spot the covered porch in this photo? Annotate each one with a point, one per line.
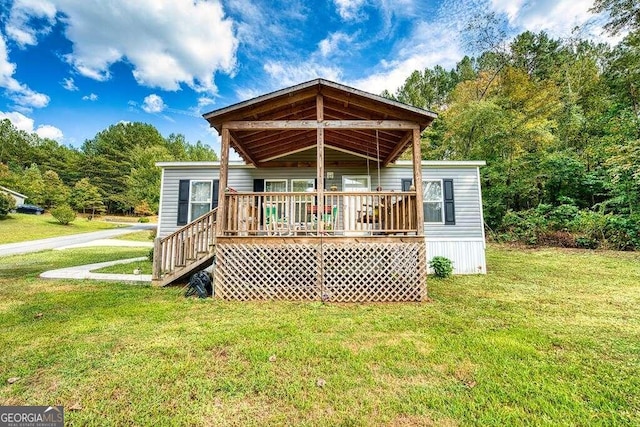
(332, 244)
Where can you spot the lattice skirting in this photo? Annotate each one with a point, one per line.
(328, 271)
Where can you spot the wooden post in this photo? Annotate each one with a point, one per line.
(157, 259)
(224, 173)
(417, 181)
(320, 162)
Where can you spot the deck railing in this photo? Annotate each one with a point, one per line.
(186, 246)
(296, 213)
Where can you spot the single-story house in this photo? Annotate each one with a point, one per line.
(19, 198)
(320, 207)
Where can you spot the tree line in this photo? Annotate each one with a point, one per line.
(558, 122)
(114, 172)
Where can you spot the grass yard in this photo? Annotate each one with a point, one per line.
(138, 236)
(548, 337)
(145, 267)
(23, 227)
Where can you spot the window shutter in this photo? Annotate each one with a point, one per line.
(406, 184)
(258, 187)
(449, 204)
(183, 201)
(215, 193)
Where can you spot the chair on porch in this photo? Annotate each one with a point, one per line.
(330, 219)
(275, 225)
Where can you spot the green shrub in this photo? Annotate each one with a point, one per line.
(7, 204)
(143, 219)
(64, 214)
(524, 226)
(586, 243)
(442, 267)
(150, 255)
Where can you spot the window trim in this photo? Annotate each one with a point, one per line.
(286, 184)
(191, 182)
(306, 180)
(442, 213)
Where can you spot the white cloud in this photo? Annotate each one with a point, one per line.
(557, 17)
(22, 122)
(429, 45)
(22, 13)
(19, 120)
(288, 74)
(349, 9)
(69, 84)
(204, 101)
(337, 42)
(90, 97)
(21, 94)
(243, 93)
(167, 42)
(270, 28)
(50, 132)
(153, 104)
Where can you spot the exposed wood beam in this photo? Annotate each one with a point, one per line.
(223, 179)
(262, 108)
(320, 166)
(241, 150)
(327, 124)
(372, 105)
(302, 164)
(417, 181)
(399, 149)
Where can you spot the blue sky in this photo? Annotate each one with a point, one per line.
(69, 68)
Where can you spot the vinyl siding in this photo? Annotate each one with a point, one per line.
(468, 256)
(467, 204)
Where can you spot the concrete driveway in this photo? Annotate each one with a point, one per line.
(70, 240)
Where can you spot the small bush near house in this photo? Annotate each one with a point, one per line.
(64, 214)
(150, 255)
(7, 203)
(442, 267)
(143, 219)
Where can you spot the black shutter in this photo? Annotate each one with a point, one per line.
(406, 184)
(183, 201)
(215, 193)
(449, 205)
(258, 187)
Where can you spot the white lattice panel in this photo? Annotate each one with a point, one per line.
(339, 272)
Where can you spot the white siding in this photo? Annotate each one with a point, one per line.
(468, 256)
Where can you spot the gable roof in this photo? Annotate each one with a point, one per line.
(15, 193)
(299, 103)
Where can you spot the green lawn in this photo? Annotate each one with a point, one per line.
(23, 227)
(548, 337)
(145, 267)
(138, 236)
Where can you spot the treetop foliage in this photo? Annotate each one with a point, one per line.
(558, 121)
(114, 171)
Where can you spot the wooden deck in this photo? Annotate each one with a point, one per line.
(359, 247)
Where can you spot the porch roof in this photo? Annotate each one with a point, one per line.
(286, 121)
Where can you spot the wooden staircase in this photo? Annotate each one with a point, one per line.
(187, 249)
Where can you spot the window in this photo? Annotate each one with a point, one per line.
(277, 201)
(433, 201)
(199, 199)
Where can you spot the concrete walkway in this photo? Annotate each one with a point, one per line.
(73, 239)
(84, 272)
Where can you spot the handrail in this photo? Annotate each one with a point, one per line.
(375, 213)
(185, 246)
